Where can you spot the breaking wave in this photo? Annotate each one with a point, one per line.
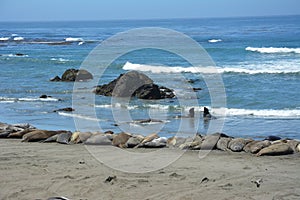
(271, 68)
(273, 50)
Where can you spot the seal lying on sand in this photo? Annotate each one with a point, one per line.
(39, 135)
(20, 134)
(64, 138)
(237, 144)
(276, 149)
(121, 139)
(256, 146)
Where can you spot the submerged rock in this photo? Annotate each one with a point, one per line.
(134, 84)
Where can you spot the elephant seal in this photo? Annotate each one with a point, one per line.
(256, 146)
(276, 149)
(237, 144)
(20, 134)
(51, 139)
(98, 139)
(4, 133)
(190, 115)
(175, 141)
(207, 115)
(38, 135)
(223, 142)
(64, 138)
(293, 144)
(148, 138)
(192, 143)
(121, 139)
(272, 138)
(210, 141)
(134, 141)
(78, 137)
(156, 143)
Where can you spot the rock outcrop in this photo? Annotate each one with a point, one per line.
(134, 84)
(71, 75)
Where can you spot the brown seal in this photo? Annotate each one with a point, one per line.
(39, 135)
(256, 146)
(276, 149)
(121, 139)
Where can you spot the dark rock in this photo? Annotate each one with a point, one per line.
(196, 89)
(20, 54)
(132, 84)
(56, 79)
(76, 75)
(68, 109)
(71, 75)
(44, 96)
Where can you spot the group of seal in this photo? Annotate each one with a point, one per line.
(270, 146)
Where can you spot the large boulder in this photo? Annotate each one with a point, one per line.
(134, 84)
(71, 75)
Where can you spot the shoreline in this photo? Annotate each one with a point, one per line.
(40, 171)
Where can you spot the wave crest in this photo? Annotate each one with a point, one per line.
(273, 50)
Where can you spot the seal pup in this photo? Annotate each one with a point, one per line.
(190, 115)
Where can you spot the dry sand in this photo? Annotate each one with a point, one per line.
(40, 171)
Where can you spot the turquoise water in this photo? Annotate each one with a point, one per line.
(258, 58)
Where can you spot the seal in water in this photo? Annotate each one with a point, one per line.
(190, 115)
(207, 115)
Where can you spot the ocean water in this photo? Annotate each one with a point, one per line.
(258, 59)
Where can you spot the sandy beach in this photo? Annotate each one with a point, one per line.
(41, 171)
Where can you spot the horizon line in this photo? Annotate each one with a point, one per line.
(146, 19)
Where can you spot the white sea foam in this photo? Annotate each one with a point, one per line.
(214, 40)
(59, 59)
(3, 39)
(78, 116)
(29, 99)
(266, 113)
(273, 50)
(260, 68)
(166, 69)
(219, 112)
(71, 39)
(18, 38)
(80, 43)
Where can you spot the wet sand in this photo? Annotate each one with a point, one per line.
(40, 171)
